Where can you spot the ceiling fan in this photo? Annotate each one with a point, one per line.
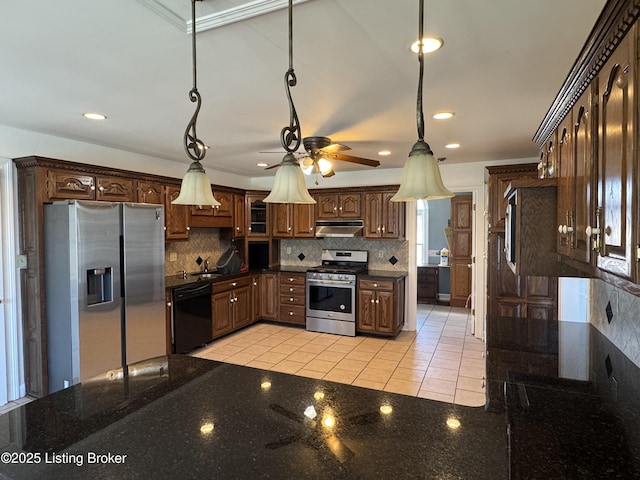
(320, 151)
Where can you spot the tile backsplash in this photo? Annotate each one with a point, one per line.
(203, 242)
(383, 254)
(614, 313)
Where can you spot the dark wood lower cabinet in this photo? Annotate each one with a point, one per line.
(380, 307)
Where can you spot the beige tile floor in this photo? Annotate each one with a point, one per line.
(440, 361)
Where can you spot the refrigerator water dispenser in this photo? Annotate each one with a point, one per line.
(99, 286)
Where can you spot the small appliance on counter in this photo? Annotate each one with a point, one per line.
(229, 262)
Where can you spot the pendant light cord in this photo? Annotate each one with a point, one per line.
(419, 114)
(194, 147)
(290, 136)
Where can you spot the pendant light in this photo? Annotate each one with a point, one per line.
(196, 187)
(289, 185)
(421, 175)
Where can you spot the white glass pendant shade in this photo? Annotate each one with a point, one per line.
(421, 177)
(289, 185)
(196, 188)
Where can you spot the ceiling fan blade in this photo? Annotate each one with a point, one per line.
(352, 159)
(273, 166)
(335, 147)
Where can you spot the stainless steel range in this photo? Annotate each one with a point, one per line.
(331, 291)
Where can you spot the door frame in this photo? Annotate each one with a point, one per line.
(478, 252)
(11, 363)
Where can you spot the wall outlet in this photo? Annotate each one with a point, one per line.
(288, 250)
(21, 261)
(173, 257)
(380, 253)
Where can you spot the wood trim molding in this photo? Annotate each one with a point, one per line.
(615, 21)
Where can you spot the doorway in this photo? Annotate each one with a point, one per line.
(473, 278)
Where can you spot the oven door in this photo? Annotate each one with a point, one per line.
(331, 299)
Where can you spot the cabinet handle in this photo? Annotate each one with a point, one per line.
(378, 229)
(291, 289)
(290, 314)
(288, 229)
(249, 228)
(188, 228)
(168, 304)
(255, 283)
(311, 229)
(291, 299)
(373, 301)
(335, 209)
(92, 188)
(375, 285)
(290, 279)
(377, 300)
(383, 229)
(238, 229)
(340, 209)
(101, 188)
(233, 284)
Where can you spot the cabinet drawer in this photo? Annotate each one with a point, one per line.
(292, 300)
(293, 314)
(292, 289)
(292, 279)
(376, 284)
(230, 284)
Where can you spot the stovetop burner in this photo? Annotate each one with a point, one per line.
(339, 269)
(348, 262)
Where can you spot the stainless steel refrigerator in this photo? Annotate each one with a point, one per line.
(104, 277)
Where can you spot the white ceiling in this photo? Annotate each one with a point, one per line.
(502, 64)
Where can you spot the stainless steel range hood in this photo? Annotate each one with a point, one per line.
(339, 228)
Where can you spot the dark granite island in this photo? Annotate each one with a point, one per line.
(184, 417)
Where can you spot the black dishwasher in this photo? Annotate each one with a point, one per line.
(191, 317)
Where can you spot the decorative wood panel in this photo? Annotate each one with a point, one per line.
(461, 247)
(64, 185)
(617, 158)
(115, 189)
(148, 192)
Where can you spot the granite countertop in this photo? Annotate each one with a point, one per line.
(186, 417)
(549, 414)
(173, 281)
(384, 274)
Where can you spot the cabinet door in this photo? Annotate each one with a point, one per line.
(385, 314)
(270, 297)
(461, 246)
(584, 186)
(499, 179)
(114, 189)
(226, 204)
(392, 217)
(63, 185)
(150, 193)
(373, 213)
(238, 215)
(257, 216)
(281, 220)
(222, 307)
(617, 154)
(327, 205)
(366, 310)
(242, 307)
(350, 205)
(176, 216)
(566, 182)
(304, 220)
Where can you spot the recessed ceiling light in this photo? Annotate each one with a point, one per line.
(452, 145)
(262, 164)
(429, 44)
(384, 153)
(443, 115)
(94, 116)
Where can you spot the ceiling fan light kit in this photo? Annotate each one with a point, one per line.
(421, 175)
(289, 185)
(196, 187)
